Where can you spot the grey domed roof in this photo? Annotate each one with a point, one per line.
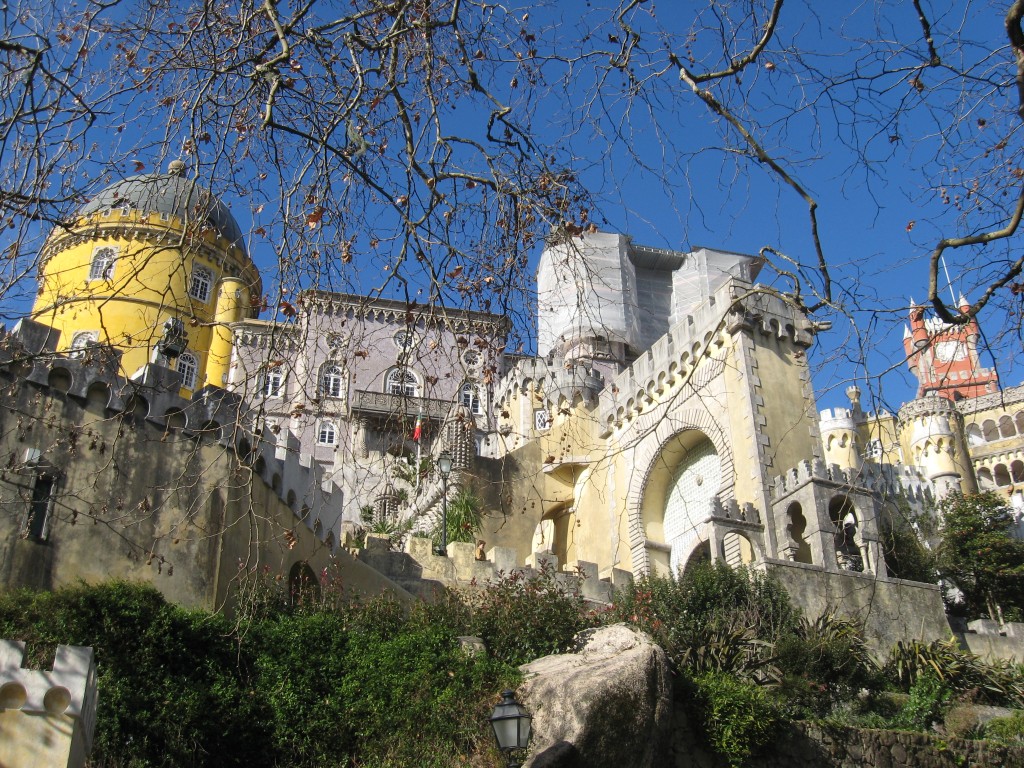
(170, 193)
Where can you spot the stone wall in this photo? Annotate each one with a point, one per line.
(890, 609)
(835, 747)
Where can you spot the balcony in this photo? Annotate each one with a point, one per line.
(384, 404)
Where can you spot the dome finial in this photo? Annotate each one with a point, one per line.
(176, 168)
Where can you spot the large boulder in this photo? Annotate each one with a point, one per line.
(607, 704)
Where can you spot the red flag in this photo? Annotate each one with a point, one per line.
(417, 432)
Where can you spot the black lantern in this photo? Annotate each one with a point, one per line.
(444, 467)
(511, 723)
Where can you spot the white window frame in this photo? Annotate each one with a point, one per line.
(200, 284)
(81, 341)
(402, 382)
(469, 396)
(188, 367)
(332, 380)
(327, 434)
(104, 258)
(273, 383)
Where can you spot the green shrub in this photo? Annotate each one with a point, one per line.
(737, 718)
(929, 698)
(825, 662)
(999, 683)
(290, 684)
(173, 692)
(711, 617)
(1006, 730)
(463, 517)
(521, 618)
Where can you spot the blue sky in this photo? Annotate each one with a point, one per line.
(660, 168)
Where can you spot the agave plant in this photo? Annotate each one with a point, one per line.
(961, 670)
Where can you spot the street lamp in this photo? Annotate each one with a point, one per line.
(444, 466)
(511, 723)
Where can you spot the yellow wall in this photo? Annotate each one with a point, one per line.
(149, 284)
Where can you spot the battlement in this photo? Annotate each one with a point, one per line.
(734, 307)
(927, 406)
(152, 396)
(883, 480)
(417, 569)
(69, 688)
(559, 381)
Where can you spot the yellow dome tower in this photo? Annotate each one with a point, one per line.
(143, 251)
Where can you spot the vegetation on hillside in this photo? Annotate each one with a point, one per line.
(312, 679)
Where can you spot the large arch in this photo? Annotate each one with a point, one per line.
(673, 454)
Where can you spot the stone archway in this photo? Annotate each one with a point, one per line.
(678, 500)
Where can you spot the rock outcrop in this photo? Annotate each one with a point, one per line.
(607, 704)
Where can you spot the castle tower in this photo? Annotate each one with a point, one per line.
(944, 358)
(932, 438)
(840, 433)
(146, 250)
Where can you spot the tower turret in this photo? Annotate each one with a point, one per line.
(146, 250)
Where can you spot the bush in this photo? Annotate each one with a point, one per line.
(712, 617)
(961, 671)
(173, 689)
(929, 698)
(301, 684)
(825, 662)
(737, 718)
(521, 618)
(1006, 730)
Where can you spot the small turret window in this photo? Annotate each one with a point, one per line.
(273, 383)
(188, 367)
(103, 260)
(200, 285)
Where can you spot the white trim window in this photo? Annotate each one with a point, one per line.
(327, 434)
(469, 396)
(104, 258)
(188, 367)
(332, 381)
(402, 381)
(200, 284)
(273, 383)
(81, 342)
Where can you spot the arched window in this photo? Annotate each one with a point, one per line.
(985, 481)
(273, 383)
(470, 398)
(991, 430)
(81, 341)
(327, 434)
(1006, 427)
(201, 284)
(103, 259)
(188, 367)
(401, 381)
(974, 435)
(331, 381)
(1002, 475)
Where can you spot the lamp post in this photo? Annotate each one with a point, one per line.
(444, 467)
(511, 723)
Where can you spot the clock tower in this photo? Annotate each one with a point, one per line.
(944, 358)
